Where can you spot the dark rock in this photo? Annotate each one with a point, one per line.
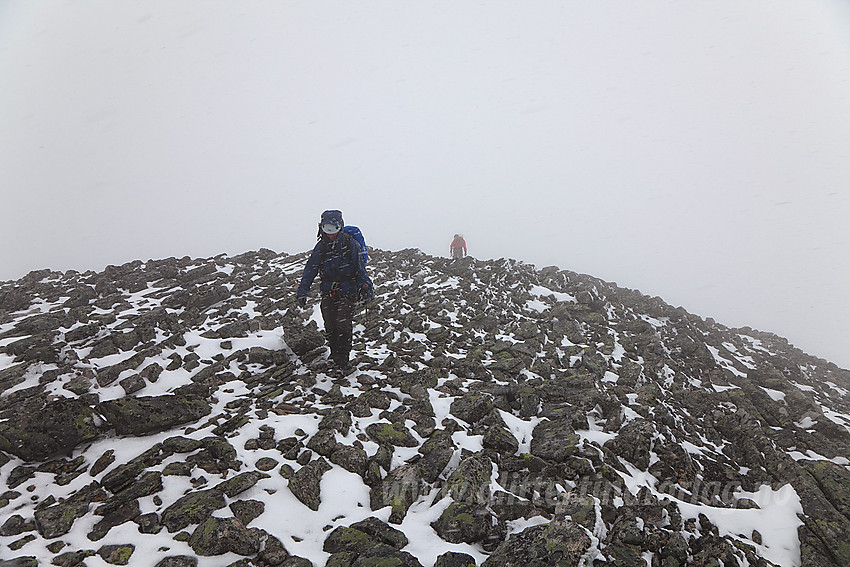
(117, 554)
(455, 559)
(634, 443)
(353, 459)
(463, 523)
(216, 536)
(472, 407)
(15, 525)
(554, 440)
(273, 553)
(140, 416)
(386, 555)
(178, 561)
(304, 339)
(559, 542)
(115, 515)
(72, 558)
(247, 510)
(192, 508)
(148, 523)
(470, 482)
(240, 483)
(101, 464)
(399, 489)
(304, 484)
(35, 431)
(54, 521)
(391, 434)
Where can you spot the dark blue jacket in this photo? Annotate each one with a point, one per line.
(340, 264)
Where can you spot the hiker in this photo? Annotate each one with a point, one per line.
(338, 258)
(458, 247)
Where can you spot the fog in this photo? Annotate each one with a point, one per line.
(697, 151)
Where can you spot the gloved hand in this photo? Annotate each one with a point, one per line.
(302, 301)
(365, 293)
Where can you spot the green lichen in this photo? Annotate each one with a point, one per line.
(379, 562)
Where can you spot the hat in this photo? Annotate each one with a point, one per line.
(331, 222)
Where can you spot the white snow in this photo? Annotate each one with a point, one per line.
(775, 519)
(775, 395)
(540, 291)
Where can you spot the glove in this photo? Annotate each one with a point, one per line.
(302, 301)
(365, 293)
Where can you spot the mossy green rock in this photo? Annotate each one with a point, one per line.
(391, 434)
(559, 543)
(472, 407)
(193, 508)
(554, 440)
(399, 489)
(139, 416)
(462, 522)
(305, 483)
(117, 554)
(216, 536)
(57, 520)
(35, 432)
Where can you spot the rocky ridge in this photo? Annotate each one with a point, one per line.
(182, 412)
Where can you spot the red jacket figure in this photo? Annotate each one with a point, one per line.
(458, 247)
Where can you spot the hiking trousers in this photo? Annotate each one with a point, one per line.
(338, 313)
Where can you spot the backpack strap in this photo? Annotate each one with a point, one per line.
(345, 246)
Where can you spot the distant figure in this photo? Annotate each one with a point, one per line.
(458, 247)
(337, 256)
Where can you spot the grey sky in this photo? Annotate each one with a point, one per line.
(699, 151)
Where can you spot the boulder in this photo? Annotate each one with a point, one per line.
(305, 483)
(554, 440)
(35, 431)
(216, 536)
(140, 416)
(560, 543)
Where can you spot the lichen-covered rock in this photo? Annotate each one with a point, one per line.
(178, 561)
(362, 536)
(634, 443)
(454, 559)
(192, 508)
(117, 554)
(72, 558)
(54, 521)
(15, 525)
(247, 510)
(470, 482)
(304, 339)
(391, 434)
(216, 536)
(554, 440)
(240, 483)
(273, 551)
(399, 489)
(27, 561)
(36, 431)
(560, 543)
(140, 416)
(305, 483)
(462, 522)
(472, 407)
(350, 458)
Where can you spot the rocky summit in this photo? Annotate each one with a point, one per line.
(182, 412)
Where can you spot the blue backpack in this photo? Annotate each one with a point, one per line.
(355, 233)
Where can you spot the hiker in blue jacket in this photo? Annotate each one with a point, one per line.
(337, 257)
